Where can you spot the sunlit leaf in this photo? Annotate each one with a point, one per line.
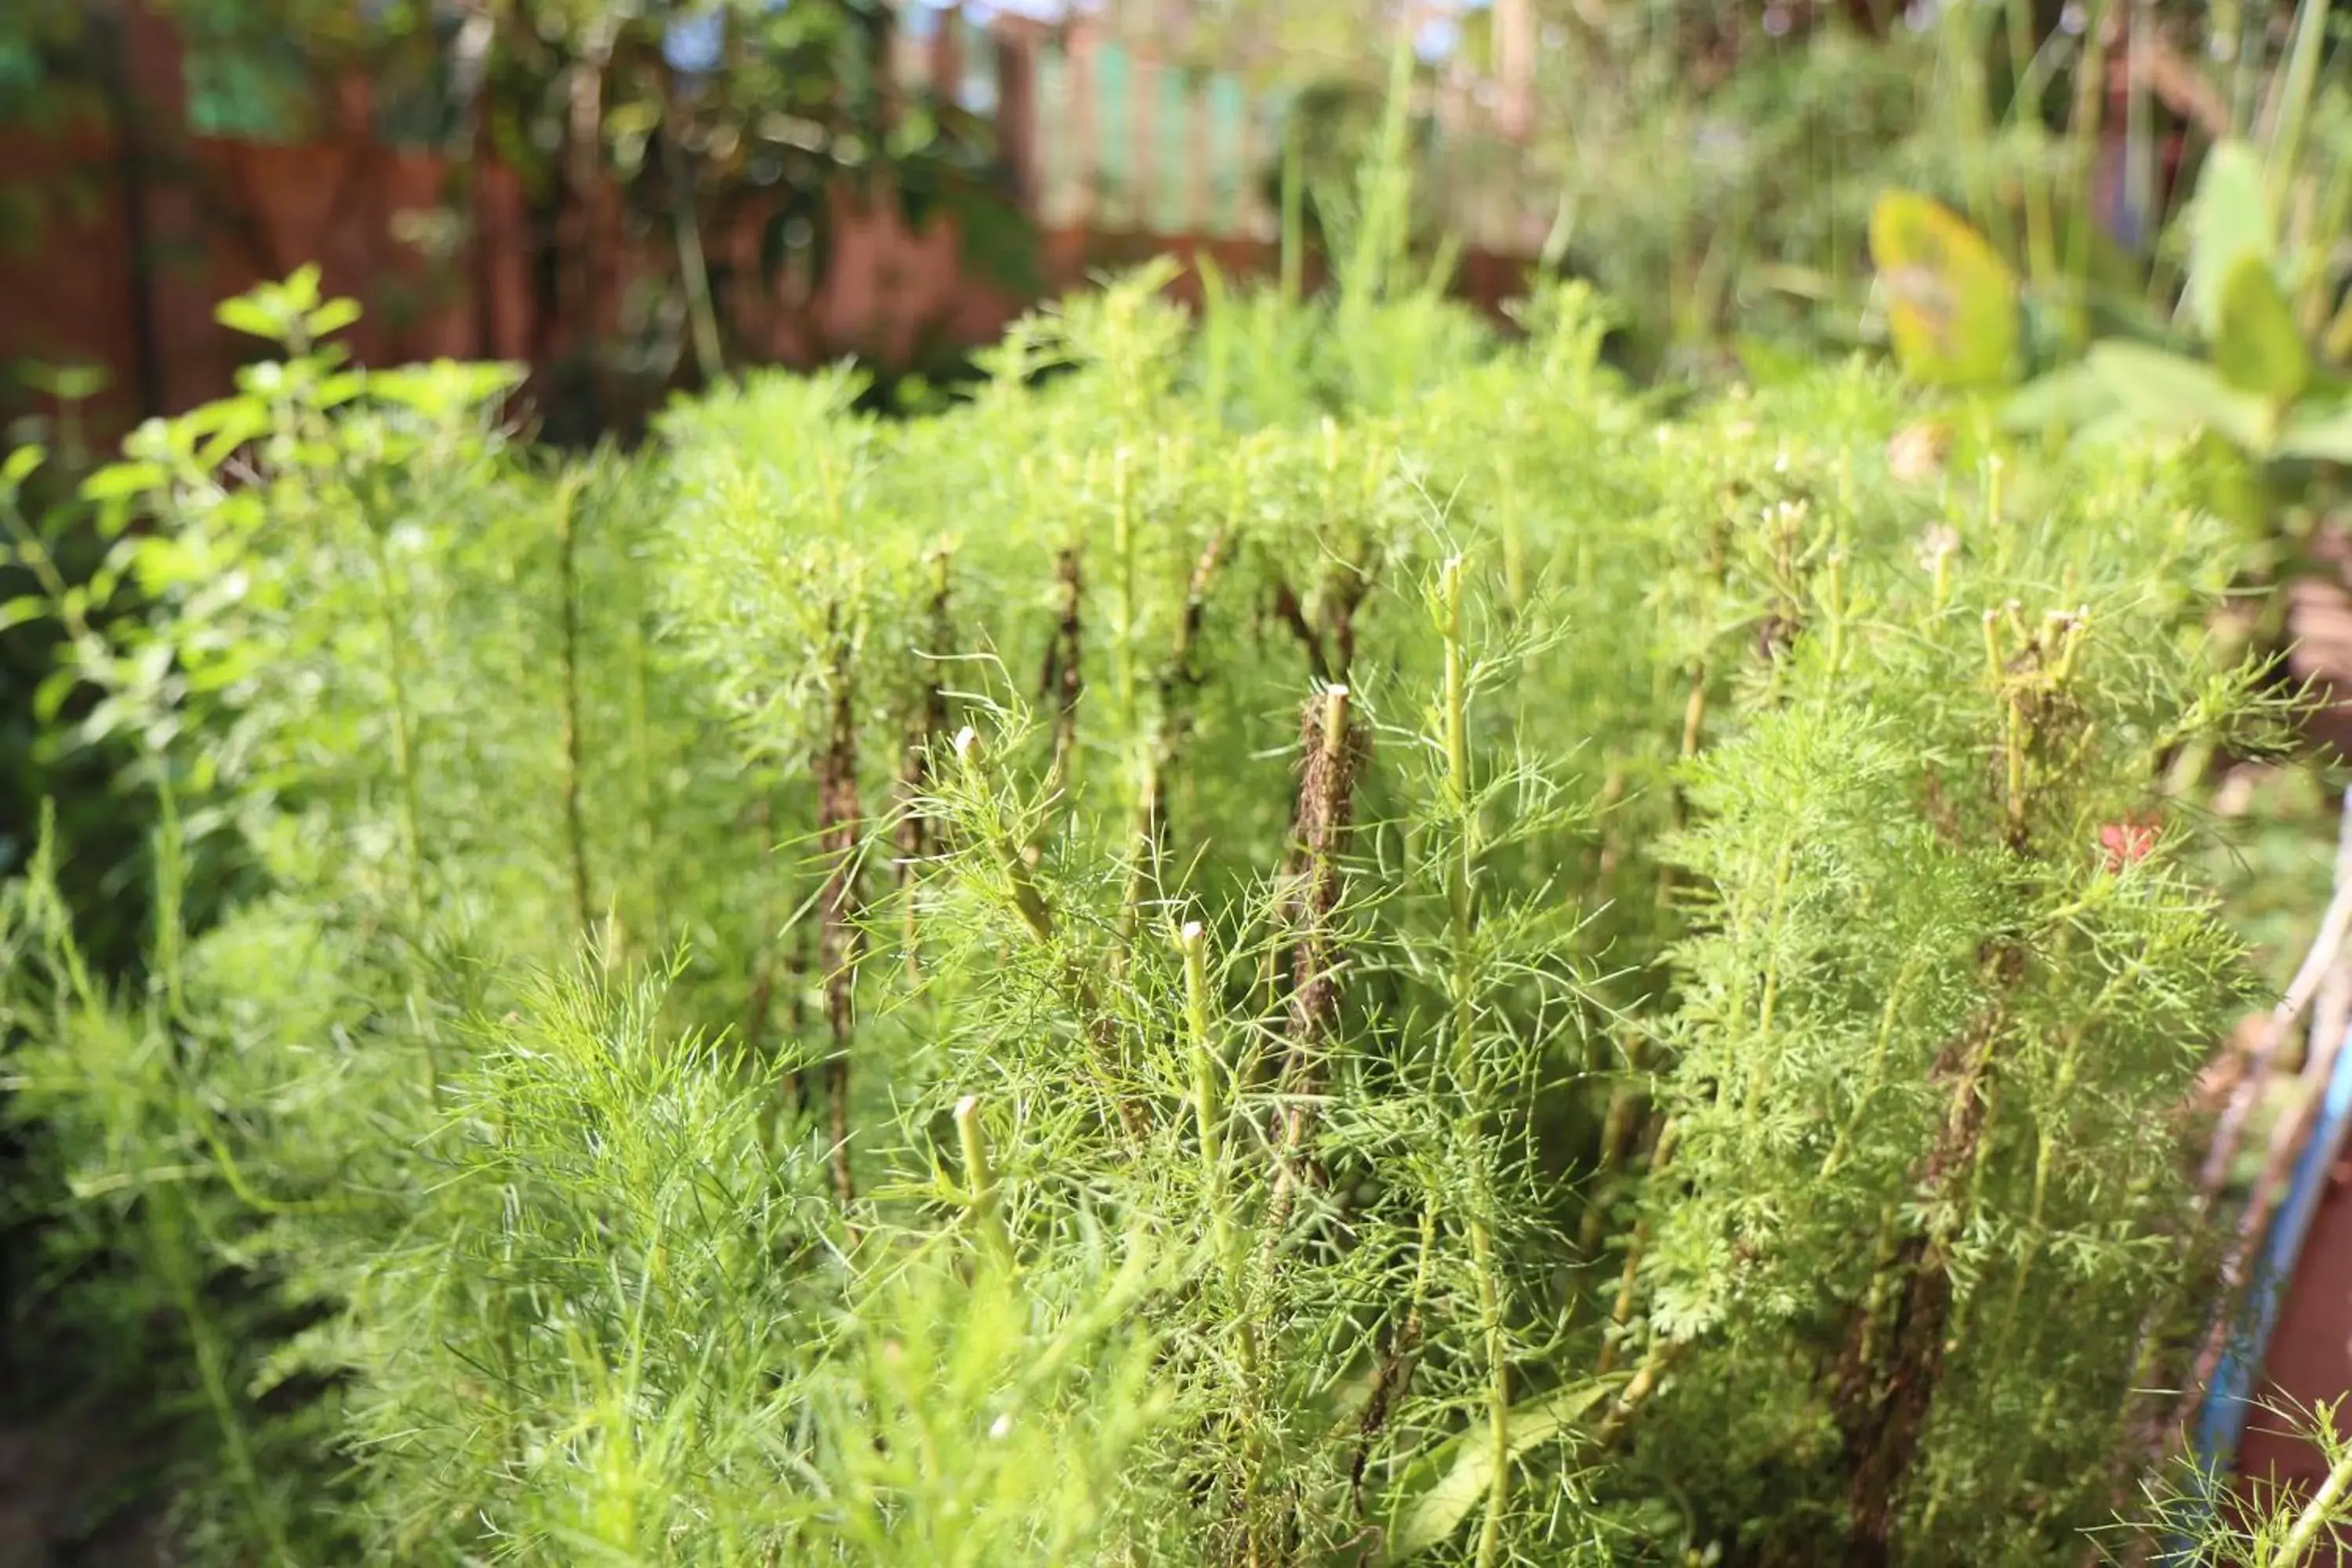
(302, 288)
(2323, 434)
(2068, 398)
(243, 314)
(332, 317)
(2229, 218)
(2259, 348)
(118, 481)
(2173, 392)
(1440, 1511)
(1767, 364)
(240, 422)
(1951, 302)
(69, 383)
(49, 697)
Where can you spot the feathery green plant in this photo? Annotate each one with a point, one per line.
(1325, 943)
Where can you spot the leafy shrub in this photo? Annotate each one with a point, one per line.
(1353, 959)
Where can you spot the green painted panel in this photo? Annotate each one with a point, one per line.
(1056, 141)
(1227, 177)
(1260, 211)
(1114, 134)
(1171, 155)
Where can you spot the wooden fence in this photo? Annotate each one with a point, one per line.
(1114, 155)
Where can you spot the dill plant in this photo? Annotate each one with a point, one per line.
(1321, 937)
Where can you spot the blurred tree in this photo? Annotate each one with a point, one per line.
(52, 79)
(666, 122)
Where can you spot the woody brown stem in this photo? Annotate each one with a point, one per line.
(911, 840)
(1660, 1359)
(1394, 1380)
(1064, 681)
(1884, 1399)
(1621, 1310)
(1335, 752)
(837, 829)
(1293, 616)
(1178, 679)
(1070, 976)
(1617, 1129)
(1882, 1403)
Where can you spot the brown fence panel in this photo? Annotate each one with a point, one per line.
(441, 260)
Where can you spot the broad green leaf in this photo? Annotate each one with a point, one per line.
(117, 481)
(20, 466)
(206, 417)
(2172, 393)
(445, 387)
(634, 116)
(339, 388)
(240, 423)
(24, 607)
(2259, 348)
(2069, 397)
(332, 317)
(1951, 302)
(245, 314)
(69, 383)
(77, 382)
(1767, 364)
(2319, 434)
(302, 290)
(1440, 1510)
(49, 697)
(2229, 218)
(2110, 429)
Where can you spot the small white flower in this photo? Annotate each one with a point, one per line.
(1936, 544)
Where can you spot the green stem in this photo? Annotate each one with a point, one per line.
(169, 1234)
(1759, 1072)
(1877, 1071)
(1964, 49)
(2292, 106)
(1208, 1109)
(1122, 533)
(979, 1178)
(1498, 1396)
(2041, 228)
(1294, 210)
(392, 606)
(574, 820)
(2322, 1511)
(693, 269)
(1464, 890)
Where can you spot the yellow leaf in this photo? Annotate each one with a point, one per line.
(1951, 302)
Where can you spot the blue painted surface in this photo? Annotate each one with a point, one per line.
(2222, 1419)
(693, 42)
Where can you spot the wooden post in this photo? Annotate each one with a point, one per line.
(1515, 64)
(1016, 117)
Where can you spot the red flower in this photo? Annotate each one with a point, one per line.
(2127, 840)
